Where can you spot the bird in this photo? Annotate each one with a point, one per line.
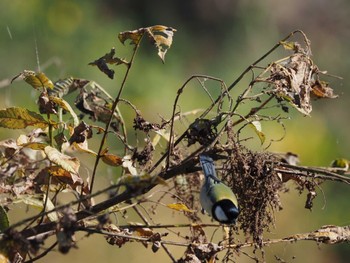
(216, 198)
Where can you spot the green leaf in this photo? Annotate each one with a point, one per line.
(19, 118)
(4, 221)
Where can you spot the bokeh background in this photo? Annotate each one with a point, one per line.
(214, 37)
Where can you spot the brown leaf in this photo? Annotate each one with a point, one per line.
(135, 36)
(108, 58)
(321, 90)
(58, 176)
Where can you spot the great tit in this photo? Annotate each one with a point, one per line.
(216, 198)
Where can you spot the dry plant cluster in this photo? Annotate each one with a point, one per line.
(39, 169)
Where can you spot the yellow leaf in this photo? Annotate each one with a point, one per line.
(19, 118)
(288, 45)
(4, 259)
(180, 207)
(162, 37)
(256, 125)
(36, 80)
(111, 159)
(65, 105)
(34, 145)
(68, 163)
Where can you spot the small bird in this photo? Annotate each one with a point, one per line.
(216, 198)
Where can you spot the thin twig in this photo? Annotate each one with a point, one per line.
(114, 107)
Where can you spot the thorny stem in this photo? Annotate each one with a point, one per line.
(114, 107)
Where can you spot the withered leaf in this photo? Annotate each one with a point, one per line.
(162, 37)
(321, 90)
(111, 159)
(81, 133)
(58, 176)
(135, 36)
(108, 58)
(46, 106)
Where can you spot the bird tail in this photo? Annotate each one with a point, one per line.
(208, 167)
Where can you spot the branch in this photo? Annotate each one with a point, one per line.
(327, 234)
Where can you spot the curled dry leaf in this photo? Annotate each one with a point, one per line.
(296, 79)
(108, 58)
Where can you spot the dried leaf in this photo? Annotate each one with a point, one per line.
(36, 80)
(108, 58)
(46, 106)
(162, 36)
(111, 159)
(135, 36)
(296, 79)
(180, 207)
(19, 118)
(68, 163)
(58, 176)
(322, 90)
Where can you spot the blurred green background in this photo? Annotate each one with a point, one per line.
(217, 38)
